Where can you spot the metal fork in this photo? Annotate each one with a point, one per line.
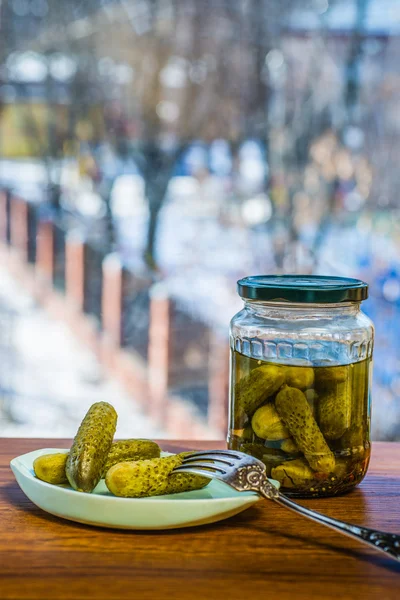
(245, 473)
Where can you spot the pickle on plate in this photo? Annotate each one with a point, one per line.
(185, 482)
(131, 450)
(268, 425)
(51, 468)
(152, 477)
(299, 377)
(254, 389)
(91, 446)
(334, 411)
(293, 408)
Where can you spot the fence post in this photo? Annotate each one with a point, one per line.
(3, 216)
(75, 268)
(45, 250)
(19, 226)
(111, 303)
(159, 351)
(218, 384)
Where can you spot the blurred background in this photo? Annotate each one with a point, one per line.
(152, 152)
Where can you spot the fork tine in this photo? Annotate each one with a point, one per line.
(215, 458)
(204, 465)
(195, 471)
(217, 453)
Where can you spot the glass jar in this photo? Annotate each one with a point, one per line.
(301, 360)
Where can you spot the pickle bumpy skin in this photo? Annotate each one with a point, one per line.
(131, 450)
(185, 482)
(334, 411)
(51, 468)
(267, 424)
(300, 377)
(151, 477)
(296, 413)
(251, 391)
(91, 446)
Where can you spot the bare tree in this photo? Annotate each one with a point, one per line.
(201, 70)
(199, 73)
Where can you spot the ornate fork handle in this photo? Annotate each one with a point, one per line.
(253, 478)
(380, 540)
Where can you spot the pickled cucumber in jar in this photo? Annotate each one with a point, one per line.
(308, 424)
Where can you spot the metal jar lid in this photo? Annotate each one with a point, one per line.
(312, 289)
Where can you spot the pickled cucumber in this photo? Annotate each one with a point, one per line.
(51, 468)
(151, 477)
(271, 457)
(131, 450)
(341, 468)
(312, 398)
(360, 376)
(352, 442)
(289, 446)
(268, 425)
(298, 474)
(338, 464)
(251, 391)
(334, 411)
(185, 482)
(238, 436)
(252, 448)
(293, 408)
(326, 377)
(299, 377)
(91, 446)
(294, 474)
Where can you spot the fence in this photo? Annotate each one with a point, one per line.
(8, 361)
(171, 362)
(32, 218)
(93, 258)
(135, 313)
(58, 235)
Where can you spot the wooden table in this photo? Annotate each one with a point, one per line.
(264, 550)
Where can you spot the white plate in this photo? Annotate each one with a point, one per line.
(215, 502)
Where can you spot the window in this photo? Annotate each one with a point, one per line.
(152, 152)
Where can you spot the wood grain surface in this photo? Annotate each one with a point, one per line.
(266, 552)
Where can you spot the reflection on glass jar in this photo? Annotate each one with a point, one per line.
(301, 355)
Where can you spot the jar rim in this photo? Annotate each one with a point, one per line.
(307, 289)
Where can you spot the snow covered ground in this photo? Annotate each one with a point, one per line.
(47, 379)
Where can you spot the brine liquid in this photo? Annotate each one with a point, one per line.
(337, 401)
